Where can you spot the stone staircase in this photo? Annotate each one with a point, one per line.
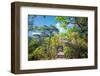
(60, 55)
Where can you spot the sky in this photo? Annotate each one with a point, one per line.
(40, 20)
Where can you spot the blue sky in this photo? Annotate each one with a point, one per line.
(41, 20)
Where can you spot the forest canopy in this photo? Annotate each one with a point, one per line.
(57, 37)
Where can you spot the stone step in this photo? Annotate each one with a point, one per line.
(60, 55)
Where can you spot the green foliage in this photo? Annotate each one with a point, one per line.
(52, 53)
(38, 54)
(78, 45)
(54, 43)
(67, 52)
(74, 40)
(46, 50)
(63, 20)
(32, 44)
(62, 35)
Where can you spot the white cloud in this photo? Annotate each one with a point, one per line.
(62, 30)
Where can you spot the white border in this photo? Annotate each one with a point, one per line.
(25, 64)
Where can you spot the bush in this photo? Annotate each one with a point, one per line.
(32, 45)
(78, 45)
(38, 54)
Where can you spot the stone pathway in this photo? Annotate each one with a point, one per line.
(60, 55)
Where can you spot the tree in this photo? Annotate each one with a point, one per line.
(77, 38)
(38, 54)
